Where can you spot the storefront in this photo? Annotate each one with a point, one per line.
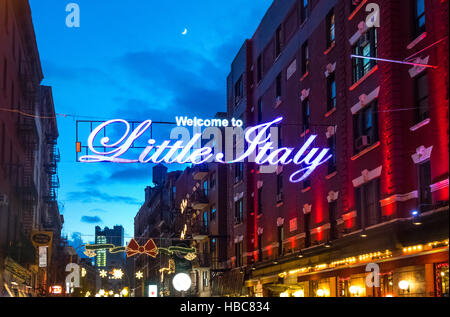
(17, 280)
(416, 271)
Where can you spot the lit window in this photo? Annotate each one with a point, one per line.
(367, 47)
(331, 28)
(419, 17)
(421, 97)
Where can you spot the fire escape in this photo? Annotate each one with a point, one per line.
(51, 169)
(28, 136)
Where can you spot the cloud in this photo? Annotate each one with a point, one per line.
(96, 196)
(89, 219)
(97, 210)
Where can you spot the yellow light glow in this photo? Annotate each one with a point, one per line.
(103, 273)
(299, 293)
(284, 294)
(83, 272)
(125, 292)
(403, 285)
(101, 292)
(117, 273)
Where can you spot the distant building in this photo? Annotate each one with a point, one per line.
(114, 236)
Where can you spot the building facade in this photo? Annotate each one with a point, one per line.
(383, 197)
(28, 159)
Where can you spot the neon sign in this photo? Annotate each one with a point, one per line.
(259, 149)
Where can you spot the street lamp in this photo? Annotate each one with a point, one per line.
(181, 282)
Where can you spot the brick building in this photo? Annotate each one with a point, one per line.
(28, 156)
(383, 197)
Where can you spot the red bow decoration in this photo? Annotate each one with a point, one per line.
(149, 248)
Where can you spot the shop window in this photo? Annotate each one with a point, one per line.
(320, 288)
(421, 98)
(442, 279)
(418, 17)
(386, 285)
(424, 185)
(366, 46)
(331, 28)
(365, 127)
(367, 197)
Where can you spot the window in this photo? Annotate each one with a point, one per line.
(280, 240)
(238, 91)
(205, 279)
(331, 28)
(278, 42)
(205, 219)
(205, 188)
(259, 68)
(304, 10)
(306, 115)
(332, 160)
(332, 209)
(260, 110)
(238, 211)
(305, 58)
(331, 92)
(260, 248)
(366, 46)
(238, 251)
(306, 226)
(260, 200)
(424, 185)
(280, 187)
(421, 97)
(367, 199)
(419, 17)
(278, 90)
(213, 212)
(212, 180)
(238, 172)
(365, 127)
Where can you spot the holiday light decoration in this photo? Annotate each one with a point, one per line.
(258, 146)
(117, 274)
(190, 256)
(103, 273)
(149, 248)
(139, 275)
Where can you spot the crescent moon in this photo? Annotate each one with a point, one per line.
(185, 31)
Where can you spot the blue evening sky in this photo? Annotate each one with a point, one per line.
(129, 60)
